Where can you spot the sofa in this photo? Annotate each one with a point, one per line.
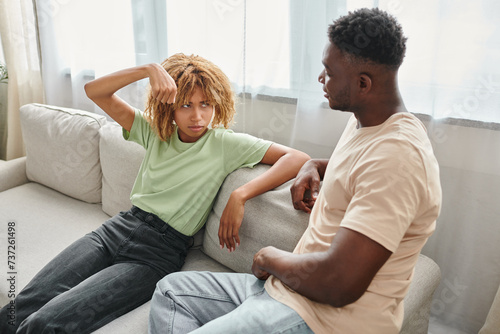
(78, 171)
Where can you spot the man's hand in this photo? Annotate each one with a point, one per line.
(305, 189)
(230, 222)
(261, 259)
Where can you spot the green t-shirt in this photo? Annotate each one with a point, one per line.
(178, 181)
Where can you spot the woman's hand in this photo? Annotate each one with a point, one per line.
(230, 222)
(163, 87)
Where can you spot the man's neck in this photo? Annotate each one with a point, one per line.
(378, 113)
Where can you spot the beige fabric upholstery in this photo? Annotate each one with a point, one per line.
(278, 224)
(12, 173)
(120, 162)
(62, 149)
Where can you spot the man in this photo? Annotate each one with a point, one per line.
(376, 208)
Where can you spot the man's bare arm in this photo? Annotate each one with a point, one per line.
(337, 277)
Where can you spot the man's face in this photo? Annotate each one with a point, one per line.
(335, 79)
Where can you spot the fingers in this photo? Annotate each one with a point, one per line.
(230, 223)
(228, 236)
(257, 268)
(305, 190)
(315, 189)
(163, 87)
(165, 92)
(302, 198)
(298, 191)
(260, 274)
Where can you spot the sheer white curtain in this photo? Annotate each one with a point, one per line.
(271, 51)
(19, 44)
(80, 40)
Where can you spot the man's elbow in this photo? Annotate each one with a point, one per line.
(342, 298)
(339, 293)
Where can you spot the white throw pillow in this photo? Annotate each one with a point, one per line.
(62, 149)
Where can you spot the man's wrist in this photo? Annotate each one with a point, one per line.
(320, 166)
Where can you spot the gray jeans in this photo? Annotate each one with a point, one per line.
(220, 302)
(99, 277)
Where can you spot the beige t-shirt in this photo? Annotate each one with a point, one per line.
(383, 182)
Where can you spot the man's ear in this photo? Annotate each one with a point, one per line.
(365, 83)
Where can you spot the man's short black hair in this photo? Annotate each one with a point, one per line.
(370, 35)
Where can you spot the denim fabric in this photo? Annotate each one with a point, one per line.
(100, 277)
(221, 303)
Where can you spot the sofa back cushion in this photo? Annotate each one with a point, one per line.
(270, 220)
(120, 162)
(62, 149)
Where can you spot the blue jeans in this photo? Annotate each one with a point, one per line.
(100, 277)
(221, 303)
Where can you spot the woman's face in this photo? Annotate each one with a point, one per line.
(194, 118)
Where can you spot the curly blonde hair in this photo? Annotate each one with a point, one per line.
(189, 73)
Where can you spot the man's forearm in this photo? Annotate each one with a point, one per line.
(302, 273)
(338, 276)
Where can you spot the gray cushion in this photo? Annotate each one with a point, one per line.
(12, 173)
(282, 227)
(417, 302)
(62, 148)
(120, 162)
(46, 223)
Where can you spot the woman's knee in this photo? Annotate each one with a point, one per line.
(48, 321)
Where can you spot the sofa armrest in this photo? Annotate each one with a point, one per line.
(13, 173)
(418, 300)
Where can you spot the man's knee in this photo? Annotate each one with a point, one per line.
(179, 281)
(169, 282)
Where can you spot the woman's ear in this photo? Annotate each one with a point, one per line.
(365, 83)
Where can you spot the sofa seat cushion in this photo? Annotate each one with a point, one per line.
(278, 225)
(62, 148)
(46, 221)
(136, 321)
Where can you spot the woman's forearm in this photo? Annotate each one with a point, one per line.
(283, 170)
(102, 90)
(106, 86)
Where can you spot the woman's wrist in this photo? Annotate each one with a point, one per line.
(240, 195)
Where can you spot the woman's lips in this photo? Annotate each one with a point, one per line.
(196, 128)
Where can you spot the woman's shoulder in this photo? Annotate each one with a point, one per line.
(232, 136)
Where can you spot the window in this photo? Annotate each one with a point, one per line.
(275, 47)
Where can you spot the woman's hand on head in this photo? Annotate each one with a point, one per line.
(230, 222)
(163, 87)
